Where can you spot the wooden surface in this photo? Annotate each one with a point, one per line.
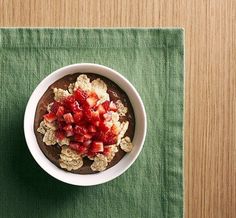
(210, 82)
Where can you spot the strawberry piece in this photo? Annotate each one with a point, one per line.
(101, 110)
(68, 118)
(55, 107)
(78, 116)
(92, 129)
(75, 107)
(50, 117)
(109, 138)
(87, 136)
(91, 101)
(80, 95)
(91, 154)
(80, 130)
(60, 135)
(60, 111)
(91, 115)
(112, 106)
(107, 150)
(79, 138)
(96, 123)
(69, 100)
(106, 105)
(103, 127)
(87, 143)
(74, 146)
(97, 147)
(68, 127)
(82, 149)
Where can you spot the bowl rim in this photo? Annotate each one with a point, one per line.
(47, 166)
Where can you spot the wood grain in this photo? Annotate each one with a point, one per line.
(210, 81)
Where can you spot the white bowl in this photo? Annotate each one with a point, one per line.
(89, 179)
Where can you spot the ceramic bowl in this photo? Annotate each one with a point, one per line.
(89, 179)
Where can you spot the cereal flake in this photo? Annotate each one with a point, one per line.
(126, 144)
(100, 163)
(60, 94)
(69, 159)
(121, 109)
(83, 82)
(50, 137)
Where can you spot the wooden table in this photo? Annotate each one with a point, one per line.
(210, 79)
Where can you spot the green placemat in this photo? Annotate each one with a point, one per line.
(152, 60)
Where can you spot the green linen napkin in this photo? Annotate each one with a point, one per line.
(152, 60)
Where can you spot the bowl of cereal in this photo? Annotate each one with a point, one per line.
(85, 124)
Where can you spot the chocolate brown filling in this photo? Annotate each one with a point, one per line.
(52, 152)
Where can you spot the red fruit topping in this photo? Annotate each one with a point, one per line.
(112, 106)
(74, 146)
(79, 138)
(78, 116)
(87, 136)
(69, 100)
(97, 147)
(50, 117)
(109, 138)
(101, 110)
(81, 130)
(87, 143)
(60, 135)
(91, 101)
(60, 111)
(103, 127)
(106, 105)
(91, 154)
(68, 127)
(80, 95)
(68, 118)
(92, 129)
(55, 107)
(75, 107)
(82, 149)
(107, 150)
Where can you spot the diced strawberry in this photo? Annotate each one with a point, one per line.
(74, 146)
(106, 105)
(69, 100)
(60, 111)
(68, 127)
(60, 124)
(92, 128)
(96, 123)
(87, 143)
(103, 127)
(91, 115)
(80, 95)
(55, 107)
(97, 147)
(87, 136)
(81, 130)
(91, 101)
(101, 110)
(50, 117)
(60, 135)
(78, 116)
(79, 138)
(112, 106)
(109, 138)
(91, 154)
(107, 150)
(68, 118)
(69, 133)
(75, 107)
(82, 149)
